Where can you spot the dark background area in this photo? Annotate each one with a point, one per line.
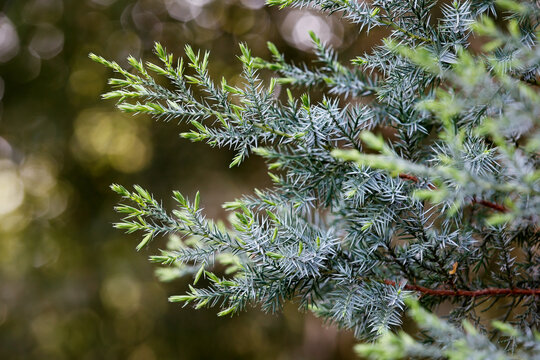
(72, 287)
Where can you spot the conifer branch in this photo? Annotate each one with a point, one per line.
(337, 225)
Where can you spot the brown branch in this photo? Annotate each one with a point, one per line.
(415, 180)
(486, 203)
(491, 205)
(468, 293)
(408, 177)
(456, 292)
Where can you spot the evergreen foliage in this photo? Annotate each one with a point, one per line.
(449, 342)
(445, 205)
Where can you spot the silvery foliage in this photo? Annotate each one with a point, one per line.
(449, 199)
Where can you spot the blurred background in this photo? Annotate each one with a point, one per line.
(72, 287)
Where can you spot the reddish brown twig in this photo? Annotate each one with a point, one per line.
(468, 293)
(408, 177)
(489, 204)
(415, 180)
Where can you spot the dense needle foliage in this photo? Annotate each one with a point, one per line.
(416, 173)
